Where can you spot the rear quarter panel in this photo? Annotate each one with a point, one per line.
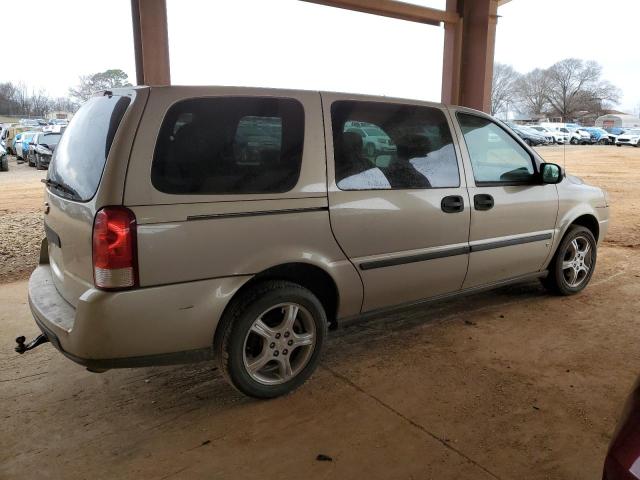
(72, 221)
(184, 238)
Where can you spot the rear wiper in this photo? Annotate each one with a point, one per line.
(60, 186)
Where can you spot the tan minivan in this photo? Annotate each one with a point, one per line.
(195, 223)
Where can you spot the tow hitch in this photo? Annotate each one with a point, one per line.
(39, 340)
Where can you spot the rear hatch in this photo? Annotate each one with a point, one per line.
(91, 152)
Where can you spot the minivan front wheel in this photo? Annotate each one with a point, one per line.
(271, 338)
(573, 264)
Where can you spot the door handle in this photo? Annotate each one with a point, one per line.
(483, 201)
(452, 204)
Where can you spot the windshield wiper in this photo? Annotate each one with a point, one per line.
(61, 186)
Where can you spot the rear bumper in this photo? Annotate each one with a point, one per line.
(147, 326)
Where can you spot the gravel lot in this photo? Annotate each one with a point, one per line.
(20, 220)
(509, 384)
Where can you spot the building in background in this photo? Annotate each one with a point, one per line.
(620, 120)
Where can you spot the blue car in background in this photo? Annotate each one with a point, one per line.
(598, 135)
(21, 144)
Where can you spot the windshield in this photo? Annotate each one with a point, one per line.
(83, 149)
(635, 131)
(49, 139)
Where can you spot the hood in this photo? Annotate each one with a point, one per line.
(628, 136)
(574, 179)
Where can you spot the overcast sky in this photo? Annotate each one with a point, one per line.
(288, 43)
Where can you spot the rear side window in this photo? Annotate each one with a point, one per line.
(83, 149)
(229, 145)
(381, 146)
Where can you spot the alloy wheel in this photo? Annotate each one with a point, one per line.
(577, 261)
(279, 344)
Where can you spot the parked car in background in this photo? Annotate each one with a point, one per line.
(29, 122)
(57, 128)
(577, 136)
(22, 144)
(598, 135)
(560, 130)
(10, 136)
(4, 159)
(374, 140)
(529, 136)
(614, 132)
(163, 245)
(629, 137)
(58, 121)
(42, 148)
(547, 133)
(623, 457)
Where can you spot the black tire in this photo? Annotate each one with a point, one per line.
(618, 145)
(527, 141)
(573, 141)
(557, 282)
(231, 343)
(604, 141)
(4, 164)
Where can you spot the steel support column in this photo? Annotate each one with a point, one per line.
(151, 42)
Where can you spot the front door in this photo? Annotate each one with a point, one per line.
(513, 214)
(398, 204)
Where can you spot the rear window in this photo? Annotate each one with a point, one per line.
(83, 149)
(229, 145)
(49, 139)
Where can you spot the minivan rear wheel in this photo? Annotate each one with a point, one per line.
(572, 266)
(270, 339)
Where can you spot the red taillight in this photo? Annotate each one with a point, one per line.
(114, 248)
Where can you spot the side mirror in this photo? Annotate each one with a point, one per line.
(551, 173)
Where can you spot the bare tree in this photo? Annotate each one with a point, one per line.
(533, 91)
(503, 87)
(21, 96)
(574, 86)
(39, 104)
(90, 84)
(63, 104)
(8, 104)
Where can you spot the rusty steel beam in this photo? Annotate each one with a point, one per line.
(151, 42)
(394, 9)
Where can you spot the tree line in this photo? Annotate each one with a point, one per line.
(568, 89)
(17, 99)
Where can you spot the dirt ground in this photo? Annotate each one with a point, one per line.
(20, 220)
(509, 384)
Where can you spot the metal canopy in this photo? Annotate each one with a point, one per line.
(469, 39)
